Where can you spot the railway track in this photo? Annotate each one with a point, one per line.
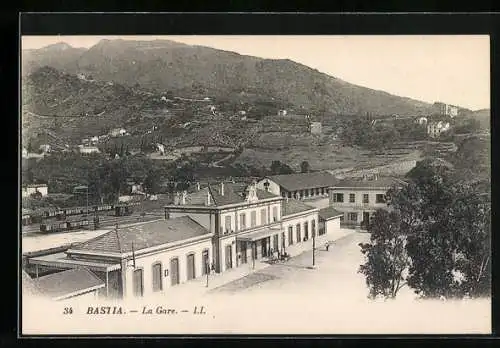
(104, 222)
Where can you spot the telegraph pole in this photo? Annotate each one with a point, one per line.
(208, 271)
(254, 251)
(314, 248)
(87, 202)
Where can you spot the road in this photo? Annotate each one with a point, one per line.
(332, 299)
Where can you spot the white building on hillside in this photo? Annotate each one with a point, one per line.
(87, 150)
(421, 120)
(434, 129)
(315, 128)
(30, 189)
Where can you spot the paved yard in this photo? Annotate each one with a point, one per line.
(340, 262)
(332, 299)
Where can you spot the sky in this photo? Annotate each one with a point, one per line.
(453, 69)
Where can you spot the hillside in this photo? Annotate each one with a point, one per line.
(60, 55)
(201, 71)
(483, 116)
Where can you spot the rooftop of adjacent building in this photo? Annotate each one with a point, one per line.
(293, 206)
(301, 181)
(221, 194)
(329, 213)
(366, 182)
(143, 236)
(65, 283)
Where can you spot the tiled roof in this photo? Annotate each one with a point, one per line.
(384, 182)
(328, 213)
(28, 284)
(301, 181)
(144, 236)
(233, 193)
(67, 282)
(293, 206)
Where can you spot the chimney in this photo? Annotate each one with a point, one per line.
(183, 197)
(197, 186)
(222, 189)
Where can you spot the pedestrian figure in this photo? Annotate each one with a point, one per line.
(327, 245)
(212, 268)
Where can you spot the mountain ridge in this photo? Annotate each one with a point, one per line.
(169, 65)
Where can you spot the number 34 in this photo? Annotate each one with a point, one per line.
(68, 310)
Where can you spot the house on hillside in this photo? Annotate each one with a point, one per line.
(357, 200)
(298, 186)
(45, 148)
(315, 128)
(421, 120)
(88, 150)
(39, 189)
(434, 129)
(282, 112)
(116, 132)
(24, 153)
(446, 109)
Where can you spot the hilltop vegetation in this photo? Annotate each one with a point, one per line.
(165, 65)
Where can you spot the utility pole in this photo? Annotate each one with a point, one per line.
(254, 251)
(87, 202)
(208, 270)
(314, 248)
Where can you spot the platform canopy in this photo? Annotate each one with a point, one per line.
(260, 234)
(61, 261)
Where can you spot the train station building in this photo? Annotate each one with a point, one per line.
(218, 227)
(138, 260)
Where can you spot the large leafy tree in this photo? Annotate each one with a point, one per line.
(446, 224)
(386, 258)
(280, 168)
(152, 181)
(469, 220)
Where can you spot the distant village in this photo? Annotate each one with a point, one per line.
(437, 123)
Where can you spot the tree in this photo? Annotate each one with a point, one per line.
(446, 226)
(152, 182)
(304, 167)
(469, 221)
(280, 168)
(386, 257)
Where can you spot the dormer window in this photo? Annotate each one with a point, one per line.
(266, 186)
